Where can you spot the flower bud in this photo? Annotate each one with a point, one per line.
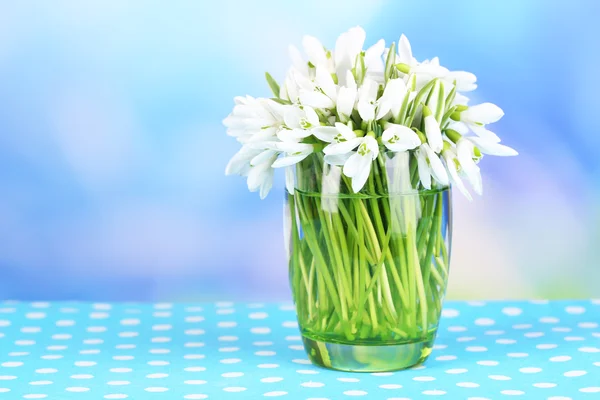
(359, 133)
(453, 135)
(404, 68)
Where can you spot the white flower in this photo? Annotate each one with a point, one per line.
(316, 52)
(299, 121)
(369, 108)
(476, 117)
(358, 166)
(253, 119)
(452, 165)
(432, 131)
(400, 138)
(430, 165)
(294, 153)
(492, 148)
(260, 176)
(374, 61)
(346, 98)
(465, 153)
(347, 47)
(393, 97)
(321, 93)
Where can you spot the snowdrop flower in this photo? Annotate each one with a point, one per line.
(347, 47)
(452, 165)
(492, 148)
(476, 117)
(299, 121)
(399, 138)
(346, 98)
(430, 165)
(294, 153)
(468, 156)
(321, 93)
(369, 108)
(358, 166)
(253, 119)
(432, 130)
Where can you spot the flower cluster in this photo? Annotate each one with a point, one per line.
(355, 105)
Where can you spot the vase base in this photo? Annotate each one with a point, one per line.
(368, 358)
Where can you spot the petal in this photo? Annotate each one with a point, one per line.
(311, 116)
(438, 171)
(293, 135)
(267, 184)
(407, 138)
(258, 175)
(464, 152)
(345, 102)
(345, 131)
(343, 147)
(287, 161)
(239, 161)
(292, 117)
(337, 159)
(315, 50)
(433, 133)
(263, 157)
(352, 166)
(325, 133)
(290, 180)
(424, 170)
(315, 99)
(368, 90)
(359, 180)
(485, 113)
(372, 146)
(455, 179)
(374, 57)
(292, 147)
(492, 148)
(350, 81)
(484, 133)
(297, 60)
(324, 81)
(465, 81)
(366, 110)
(393, 94)
(404, 51)
(459, 127)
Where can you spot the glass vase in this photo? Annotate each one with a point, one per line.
(368, 270)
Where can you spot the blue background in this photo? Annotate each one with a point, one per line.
(112, 152)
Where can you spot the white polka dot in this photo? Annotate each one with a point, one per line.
(120, 370)
(445, 358)
(450, 313)
(287, 307)
(194, 356)
(517, 355)
(391, 386)
(484, 322)
(99, 315)
(96, 329)
(56, 347)
(24, 342)
(265, 353)
(46, 371)
(506, 341)
(118, 383)
(4, 390)
(156, 389)
(589, 349)
(130, 321)
(232, 374)
(158, 363)
(225, 311)
(546, 346)
(488, 363)
(355, 393)
(7, 377)
(275, 393)
(234, 389)
(594, 389)
(559, 398)
(12, 364)
(311, 384)
(351, 380)
(228, 349)
(224, 304)
(561, 329)
(499, 377)
(263, 343)
(573, 374)
(194, 309)
(307, 371)
(575, 310)
(102, 306)
(268, 365)
(82, 376)
(162, 314)
(439, 346)
(128, 334)
(125, 346)
(423, 378)
(456, 371)
(77, 389)
(194, 318)
(467, 384)
(512, 392)
(51, 357)
(69, 310)
(35, 396)
(7, 310)
(457, 328)
(161, 339)
(90, 351)
(157, 376)
(544, 385)
(93, 341)
(18, 353)
(522, 326)
(195, 382)
(194, 344)
(230, 361)
(465, 339)
(116, 396)
(549, 320)
(162, 327)
(123, 358)
(31, 329)
(560, 358)
(4, 323)
(62, 336)
(194, 369)
(588, 325)
(476, 349)
(194, 332)
(258, 315)
(434, 392)
(163, 306)
(41, 383)
(260, 330)
(574, 338)
(301, 361)
(534, 334)
(292, 338)
(85, 363)
(494, 333)
(512, 311)
(195, 396)
(530, 370)
(35, 315)
(227, 338)
(271, 379)
(296, 347)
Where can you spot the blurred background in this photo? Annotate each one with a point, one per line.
(112, 152)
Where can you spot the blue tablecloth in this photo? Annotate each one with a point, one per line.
(491, 350)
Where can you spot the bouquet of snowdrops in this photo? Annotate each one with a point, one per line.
(370, 141)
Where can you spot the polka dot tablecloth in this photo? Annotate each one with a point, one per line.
(494, 350)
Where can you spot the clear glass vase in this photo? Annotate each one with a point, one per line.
(368, 270)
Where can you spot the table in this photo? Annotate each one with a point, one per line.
(485, 350)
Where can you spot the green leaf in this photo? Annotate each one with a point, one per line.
(389, 62)
(281, 101)
(450, 97)
(439, 110)
(272, 84)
